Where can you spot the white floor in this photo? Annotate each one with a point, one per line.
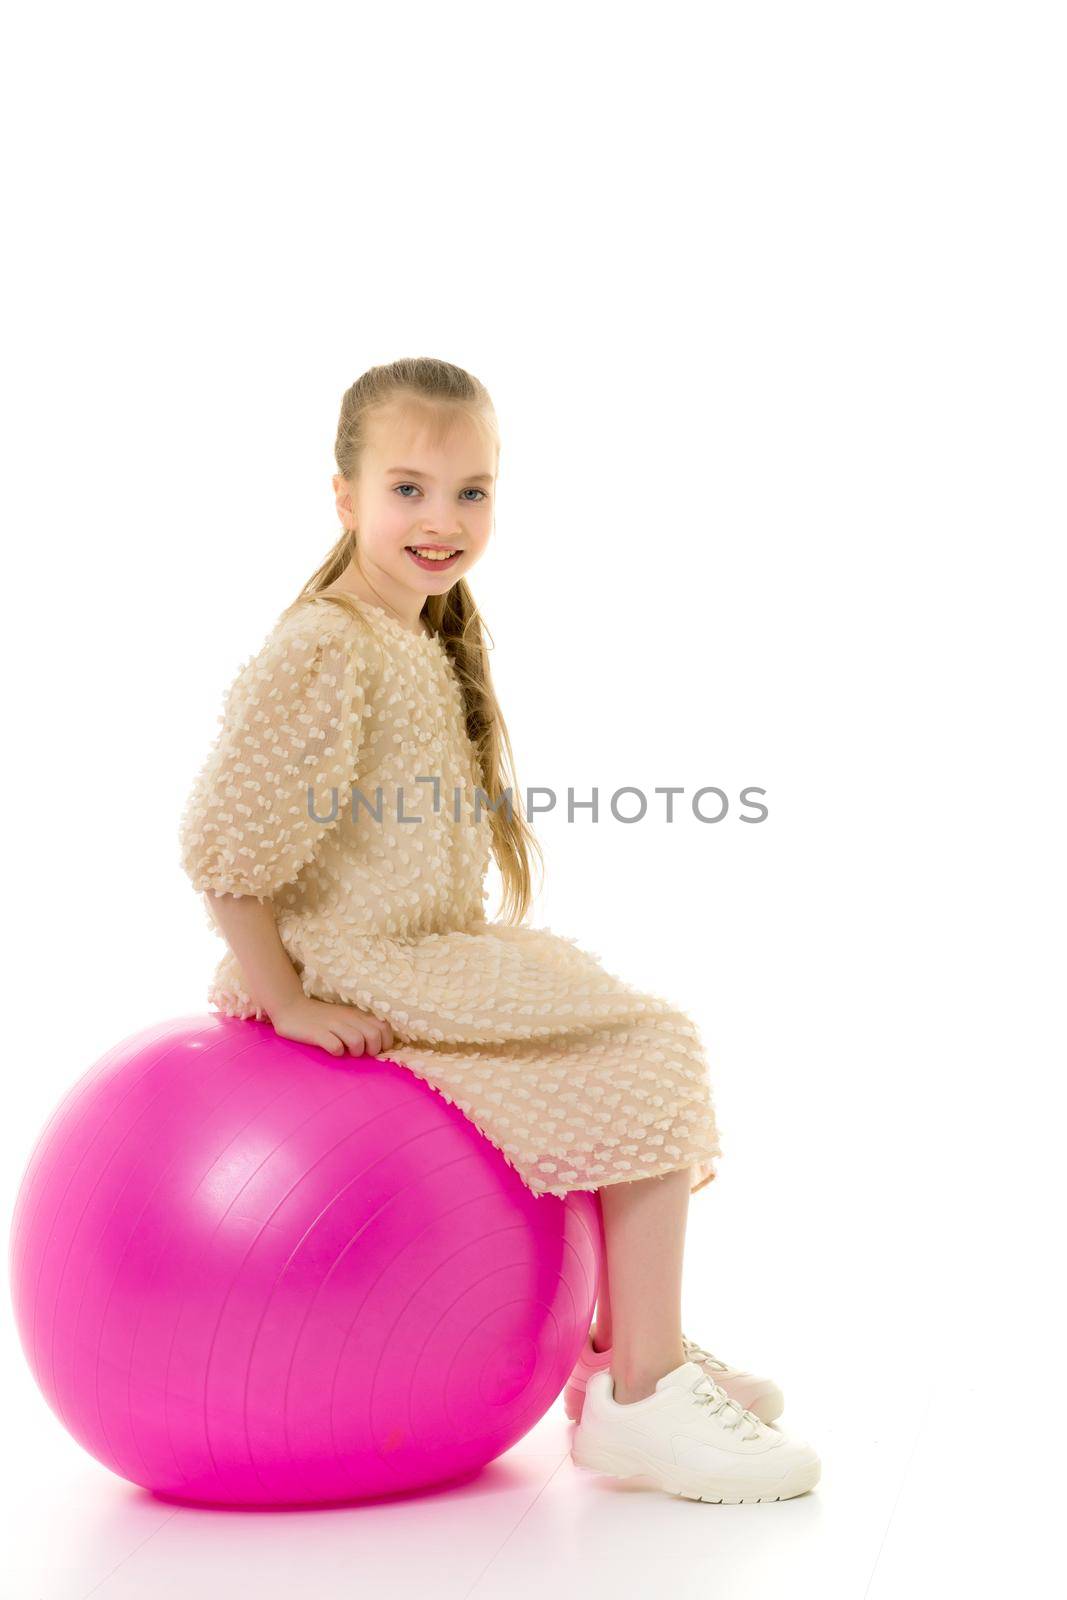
(531, 1525)
(883, 1522)
(939, 1470)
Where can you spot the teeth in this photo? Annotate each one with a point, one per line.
(433, 555)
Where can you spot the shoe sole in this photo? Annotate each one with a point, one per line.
(632, 1463)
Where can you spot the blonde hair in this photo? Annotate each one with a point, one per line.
(438, 392)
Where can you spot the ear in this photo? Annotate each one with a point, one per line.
(342, 497)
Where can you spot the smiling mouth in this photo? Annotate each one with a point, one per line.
(435, 553)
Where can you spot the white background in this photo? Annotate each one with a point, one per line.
(770, 302)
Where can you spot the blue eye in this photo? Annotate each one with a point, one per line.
(415, 486)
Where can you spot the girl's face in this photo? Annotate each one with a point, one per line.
(418, 492)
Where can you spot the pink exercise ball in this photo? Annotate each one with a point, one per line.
(247, 1272)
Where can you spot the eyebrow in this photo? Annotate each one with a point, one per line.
(414, 472)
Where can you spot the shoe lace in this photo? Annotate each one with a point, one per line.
(697, 1353)
(710, 1394)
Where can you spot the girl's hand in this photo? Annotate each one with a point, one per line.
(335, 1028)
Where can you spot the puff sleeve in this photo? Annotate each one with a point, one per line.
(292, 722)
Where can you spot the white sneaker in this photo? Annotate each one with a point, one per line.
(692, 1440)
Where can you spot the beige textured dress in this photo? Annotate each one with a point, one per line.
(578, 1079)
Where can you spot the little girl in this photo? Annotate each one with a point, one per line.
(341, 830)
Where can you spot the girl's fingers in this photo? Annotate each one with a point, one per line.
(373, 1034)
(368, 1037)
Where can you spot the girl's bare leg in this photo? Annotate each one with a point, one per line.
(602, 1328)
(639, 1308)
